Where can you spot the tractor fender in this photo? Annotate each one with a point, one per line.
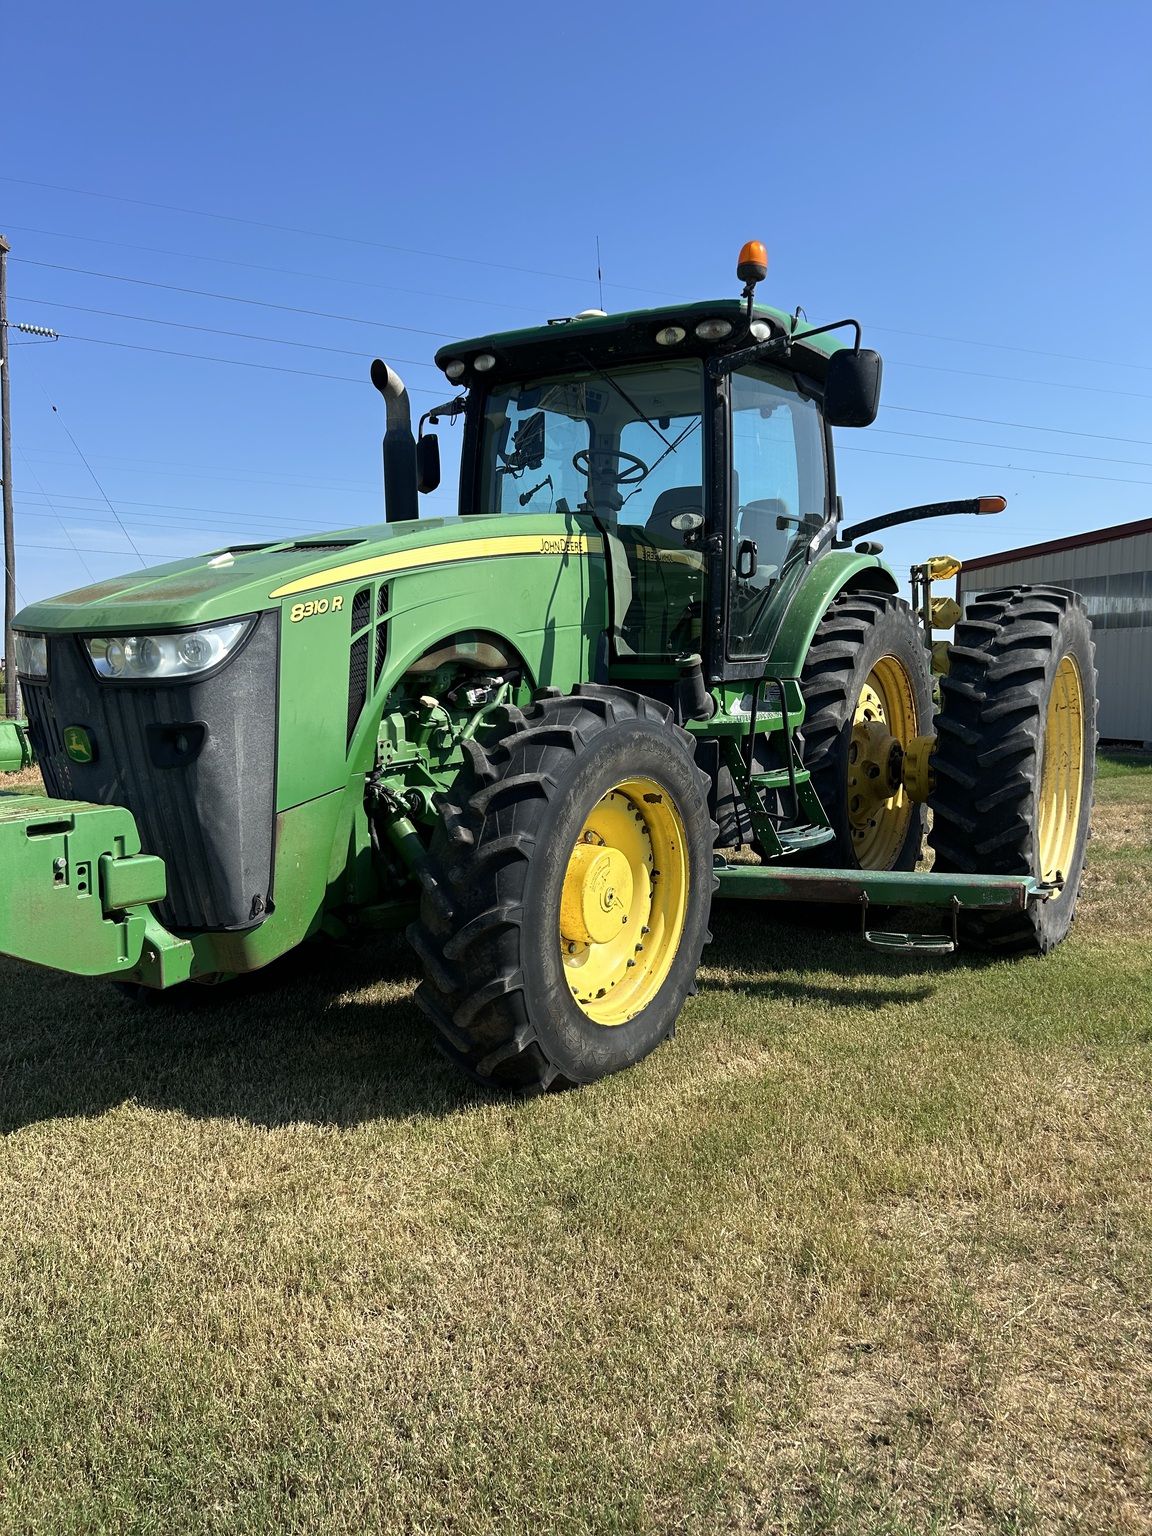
(841, 570)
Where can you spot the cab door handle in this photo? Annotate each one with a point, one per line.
(746, 559)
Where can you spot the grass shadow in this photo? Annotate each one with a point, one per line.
(298, 1042)
(332, 1036)
(765, 944)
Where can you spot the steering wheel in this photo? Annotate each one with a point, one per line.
(637, 469)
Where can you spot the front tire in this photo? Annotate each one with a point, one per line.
(566, 902)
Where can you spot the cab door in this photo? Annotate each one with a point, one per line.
(779, 501)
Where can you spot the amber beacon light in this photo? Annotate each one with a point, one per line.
(752, 268)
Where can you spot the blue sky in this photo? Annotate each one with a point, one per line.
(969, 180)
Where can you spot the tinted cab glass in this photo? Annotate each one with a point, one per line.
(779, 501)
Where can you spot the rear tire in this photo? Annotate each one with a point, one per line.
(1015, 756)
(513, 859)
(868, 647)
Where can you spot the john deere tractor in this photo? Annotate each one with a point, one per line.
(533, 734)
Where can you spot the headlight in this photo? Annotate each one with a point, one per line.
(182, 654)
(31, 655)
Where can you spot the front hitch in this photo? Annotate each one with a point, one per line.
(74, 887)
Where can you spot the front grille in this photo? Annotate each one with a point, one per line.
(51, 758)
(211, 817)
(357, 682)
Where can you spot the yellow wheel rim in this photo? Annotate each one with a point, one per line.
(624, 900)
(884, 724)
(1061, 772)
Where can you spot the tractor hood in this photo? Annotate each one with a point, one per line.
(241, 579)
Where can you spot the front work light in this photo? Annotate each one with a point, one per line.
(670, 335)
(714, 330)
(31, 654)
(455, 368)
(172, 656)
(484, 362)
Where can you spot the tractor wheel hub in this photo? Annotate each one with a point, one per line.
(597, 894)
(874, 767)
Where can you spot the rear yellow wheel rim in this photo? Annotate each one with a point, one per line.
(884, 724)
(1061, 772)
(624, 901)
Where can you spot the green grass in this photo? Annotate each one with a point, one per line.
(865, 1249)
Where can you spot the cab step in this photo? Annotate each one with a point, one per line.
(910, 943)
(796, 839)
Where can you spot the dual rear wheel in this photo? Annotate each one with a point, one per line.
(1012, 765)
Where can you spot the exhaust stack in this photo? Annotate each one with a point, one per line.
(399, 447)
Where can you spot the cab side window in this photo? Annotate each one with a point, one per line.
(779, 499)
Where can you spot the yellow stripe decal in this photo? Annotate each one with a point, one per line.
(439, 554)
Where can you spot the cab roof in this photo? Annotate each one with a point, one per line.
(574, 342)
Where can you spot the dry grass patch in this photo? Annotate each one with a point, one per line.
(864, 1250)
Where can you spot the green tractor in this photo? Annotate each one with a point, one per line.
(647, 664)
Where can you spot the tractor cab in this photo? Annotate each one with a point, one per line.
(694, 438)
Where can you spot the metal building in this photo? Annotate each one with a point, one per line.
(1112, 569)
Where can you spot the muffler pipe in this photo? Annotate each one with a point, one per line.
(401, 502)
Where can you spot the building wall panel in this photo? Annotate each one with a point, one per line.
(1115, 579)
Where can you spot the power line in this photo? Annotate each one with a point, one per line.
(1008, 378)
(59, 549)
(227, 473)
(456, 298)
(1012, 469)
(254, 266)
(974, 442)
(1023, 426)
(221, 521)
(233, 298)
(210, 330)
(326, 277)
(80, 454)
(1003, 346)
(416, 389)
(54, 512)
(469, 260)
(167, 506)
(320, 234)
(233, 362)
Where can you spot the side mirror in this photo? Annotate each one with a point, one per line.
(427, 463)
(852, 388)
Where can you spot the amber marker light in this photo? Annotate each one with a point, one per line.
(990, 504)
(752, 267)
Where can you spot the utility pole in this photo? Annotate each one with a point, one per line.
(11, 689)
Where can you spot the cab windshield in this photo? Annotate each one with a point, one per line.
(610, 443)
(625, 445)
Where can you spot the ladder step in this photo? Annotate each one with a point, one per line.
(910, 943)
(777, 778)
(793, 839)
